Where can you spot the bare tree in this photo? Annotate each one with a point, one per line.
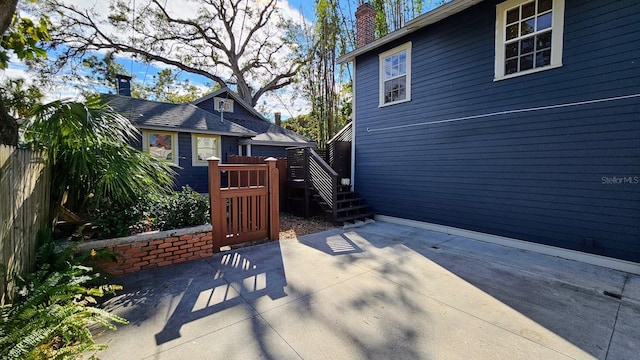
(242, 42)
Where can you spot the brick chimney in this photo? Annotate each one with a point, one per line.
(124, 85)
(365, 24)
(278, 118)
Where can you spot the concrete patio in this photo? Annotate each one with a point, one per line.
(381, 291)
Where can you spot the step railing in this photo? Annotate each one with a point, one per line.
(308, 165)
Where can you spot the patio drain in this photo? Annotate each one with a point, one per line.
(612, 294)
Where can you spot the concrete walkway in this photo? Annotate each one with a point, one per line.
(381, 291)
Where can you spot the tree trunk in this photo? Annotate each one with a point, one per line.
(8, 125)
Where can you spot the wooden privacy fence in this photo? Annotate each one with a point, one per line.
(245, 206)
(281, 165)
(24, 209)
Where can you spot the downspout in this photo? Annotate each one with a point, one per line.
(353, 129)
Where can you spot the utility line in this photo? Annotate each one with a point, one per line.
(506, 112)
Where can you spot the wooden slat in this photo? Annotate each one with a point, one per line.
(24, 209)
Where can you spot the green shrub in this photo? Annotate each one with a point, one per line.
(180, 209)
(156, 212)
(54, 307)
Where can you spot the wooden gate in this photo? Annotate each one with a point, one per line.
(244, 202)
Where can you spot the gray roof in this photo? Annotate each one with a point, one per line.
(156, 115)
(442, 12)
(272, 134)
(268, 133)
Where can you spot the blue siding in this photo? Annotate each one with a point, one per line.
(263, 150)
(238, 110)
(535, 176)
(195, 176)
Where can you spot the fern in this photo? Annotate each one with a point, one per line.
(53, 310)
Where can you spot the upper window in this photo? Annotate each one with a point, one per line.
(528, 36)
(162, 145)
(223, 104)
(204, 147)
(395, 75)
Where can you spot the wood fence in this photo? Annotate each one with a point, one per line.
(246, 207)
(281, 164)
(24, 209)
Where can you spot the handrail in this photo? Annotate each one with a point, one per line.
(339, 135)
(323, 178)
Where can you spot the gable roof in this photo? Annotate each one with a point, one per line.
(147, 114)
(235, 97)
(440, 13)
(267, 132)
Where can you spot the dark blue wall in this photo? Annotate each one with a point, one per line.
(539, 176)
(238, 110)
(196, 176)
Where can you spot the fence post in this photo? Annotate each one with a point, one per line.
(218, 211)
(274, 199)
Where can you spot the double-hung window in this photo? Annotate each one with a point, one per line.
(204, 147)
(395, 75)
(528, 36)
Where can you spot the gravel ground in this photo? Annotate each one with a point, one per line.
(293, 226)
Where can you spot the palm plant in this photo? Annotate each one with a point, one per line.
(88, 147)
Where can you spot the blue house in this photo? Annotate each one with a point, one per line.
(270, 139)
(183, 134)
(516, 122)
(187, 135)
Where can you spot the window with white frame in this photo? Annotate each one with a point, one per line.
(222, 103)
(161, 144)
(204, 147)
(528, 36)
(395, 75)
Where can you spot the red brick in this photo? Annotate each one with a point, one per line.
(200, 243)
(206, 246)
(149, 266)
(178, 261)
(139, 244)
(135, 250)
(186, 237)
(207, 238)
(172, 257)
(178, 243)
(170, 239)
(148, 248)
(141, 263)
(156, 242)
(173, 248)
(165, 263)
(156, 251)
(186, 246)
(150, 257)
(178, 252)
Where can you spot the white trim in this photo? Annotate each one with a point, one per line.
(406, 47)
(440, 13)
(194, 155)
(557, 26)
(174, 143)
(248, 149)
(598, 260)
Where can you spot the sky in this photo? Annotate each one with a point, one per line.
(282, 101)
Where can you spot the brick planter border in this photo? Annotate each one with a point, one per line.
(153, 249)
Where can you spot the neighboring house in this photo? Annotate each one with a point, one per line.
(271, 139)
(183, 134)
(518, 119)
